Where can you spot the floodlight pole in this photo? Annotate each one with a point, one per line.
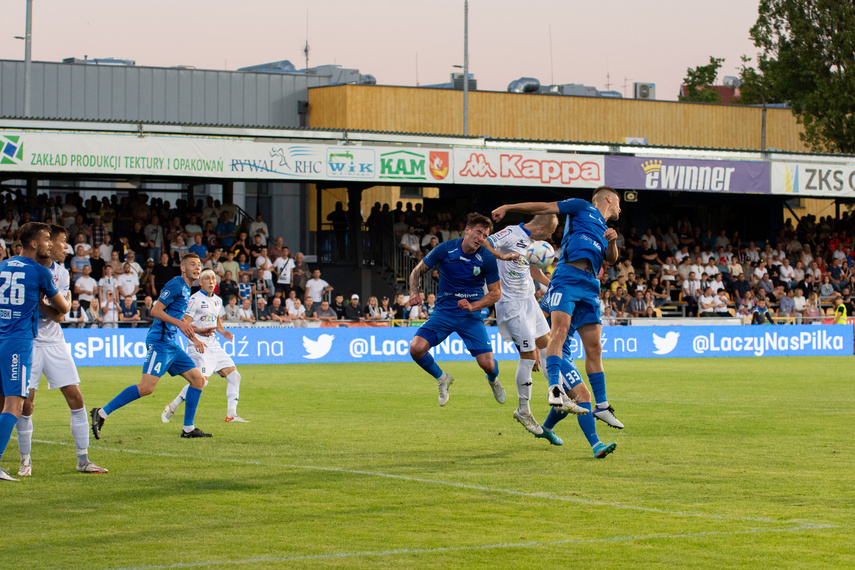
(28, 58)
(465, 67)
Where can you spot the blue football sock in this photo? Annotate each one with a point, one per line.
(570, 374)
(598, 386)
(553, 369)
(429, 365)
(553, 418)
(587, 424)
(190, 404)
(125, 397)
(491, 376)
(7, 424)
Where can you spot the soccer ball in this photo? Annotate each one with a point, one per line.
(540, 254)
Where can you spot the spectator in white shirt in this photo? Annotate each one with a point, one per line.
(410, 243)
(245, 313)
(316, 287)
(109, 311)
(259, 228)
(86, 288)
(76, 315)
(128, 283)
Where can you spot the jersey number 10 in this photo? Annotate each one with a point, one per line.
(11, 281)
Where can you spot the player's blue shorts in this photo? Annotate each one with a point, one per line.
(16, 361)
(165, 357)
(468, 325)
(576, 293)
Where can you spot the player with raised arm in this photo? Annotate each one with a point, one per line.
(204, 312)
(52, 356)
(22, 282)
(164, 353)
(464, 268)
(574, 288)
(517, 314)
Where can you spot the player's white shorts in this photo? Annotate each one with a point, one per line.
(521, 322)
(54, 360)
(212, 360)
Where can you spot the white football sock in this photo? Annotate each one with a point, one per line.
(80, 430)
(523, 379)
(182, 395)
(232, 393)
(542, 352)
(25, 435)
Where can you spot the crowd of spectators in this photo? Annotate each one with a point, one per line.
(123, 251)
(792, 279)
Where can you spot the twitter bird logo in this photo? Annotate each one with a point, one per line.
(317, 348)
(664, 345)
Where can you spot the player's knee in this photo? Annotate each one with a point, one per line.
(27, 409)
(145, 389)
(580, 393)
(594, 350)
(416, 351)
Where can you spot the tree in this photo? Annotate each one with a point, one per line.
(699, 83)
(808, 60)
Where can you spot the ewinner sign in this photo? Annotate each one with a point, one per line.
(739, 176)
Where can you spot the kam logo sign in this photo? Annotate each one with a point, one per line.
(11, 150)
(439, 165)
(403, 165)
(529, 168)
(351, 162)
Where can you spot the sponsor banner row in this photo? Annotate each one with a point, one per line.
(127, 154)
(244, 159)
(112, 347)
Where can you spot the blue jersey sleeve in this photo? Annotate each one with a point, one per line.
(571, 206)
(169, 293)
(491, 269)
(46, 283)
(436, 254)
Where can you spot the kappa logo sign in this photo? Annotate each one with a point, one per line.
(543, 170)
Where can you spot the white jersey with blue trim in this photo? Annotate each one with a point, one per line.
(204, 309)
(517, 284)
(50, 331)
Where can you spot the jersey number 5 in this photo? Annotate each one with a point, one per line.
(10, 280)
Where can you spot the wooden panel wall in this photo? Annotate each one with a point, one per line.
(525, 116)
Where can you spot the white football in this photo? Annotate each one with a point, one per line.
(540, 254)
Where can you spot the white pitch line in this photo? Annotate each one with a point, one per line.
(409, 551)
(447, 484)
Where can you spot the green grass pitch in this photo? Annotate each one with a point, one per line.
(723, 463)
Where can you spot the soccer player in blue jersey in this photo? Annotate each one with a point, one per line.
(22, 282)
(464, 268)
(571, 383)
(574, 288)
(164, 353)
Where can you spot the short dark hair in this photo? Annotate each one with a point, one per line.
(475, 219)
(30, 230)
(56, 230)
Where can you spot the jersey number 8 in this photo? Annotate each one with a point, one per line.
(18, 293)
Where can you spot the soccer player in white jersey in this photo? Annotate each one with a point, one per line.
(204, 312)
(52, 356)
(517, 313)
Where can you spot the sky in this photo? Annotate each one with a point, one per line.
(609, 44)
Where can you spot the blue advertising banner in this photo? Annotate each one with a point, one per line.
(633, 173)
(126, 347)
